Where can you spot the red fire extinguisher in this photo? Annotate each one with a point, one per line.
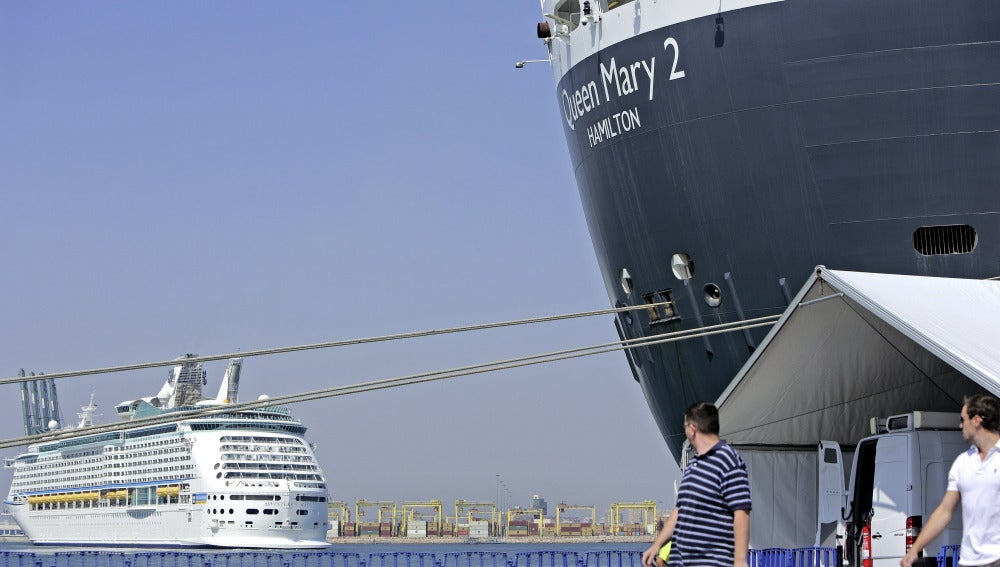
(866, 546)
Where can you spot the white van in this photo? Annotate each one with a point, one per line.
(898, 478)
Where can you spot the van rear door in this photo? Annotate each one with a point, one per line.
(831, 497)
(891, 494)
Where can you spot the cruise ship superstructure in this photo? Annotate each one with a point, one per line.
(724, 148)
(243, 478)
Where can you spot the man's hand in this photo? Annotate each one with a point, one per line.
(909, 558)
(742, 563)
(649, 556)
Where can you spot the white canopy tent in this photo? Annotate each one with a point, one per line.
(855, 345)
(852, 346)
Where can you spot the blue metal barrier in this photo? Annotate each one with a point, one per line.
(17, 558)
(801, 557)
(611, 559)
(814, 557)
(544, 559)
(322, 559)
(474, 559)
(769, 558)
(948, 556)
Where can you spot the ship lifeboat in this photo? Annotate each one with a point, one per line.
(35, 499)
(165, 491)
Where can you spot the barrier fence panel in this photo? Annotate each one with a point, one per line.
(814, 557)
(545, 559)
(401, 559)
(17, 558)
(85, 558)
(948, 556)
(324, 559)
(769, 558)
(475, 559)
(611, 558)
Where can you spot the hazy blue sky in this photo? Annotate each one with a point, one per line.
(208, 177)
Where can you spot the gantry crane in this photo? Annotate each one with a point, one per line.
(648, 508)
(562, 507)
(410, 507)
(338, 511)
(466, 509)
(533, 512)
(383, 507)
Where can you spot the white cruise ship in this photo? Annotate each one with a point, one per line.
(244, 478)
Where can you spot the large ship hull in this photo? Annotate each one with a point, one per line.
(762, 141)
(164, 526)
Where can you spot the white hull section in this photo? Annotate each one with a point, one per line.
(156, 527)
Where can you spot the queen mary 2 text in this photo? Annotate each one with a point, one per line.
(620, 82)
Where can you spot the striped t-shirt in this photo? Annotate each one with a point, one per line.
(714, 485)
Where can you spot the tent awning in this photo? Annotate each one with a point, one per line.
(856, 345)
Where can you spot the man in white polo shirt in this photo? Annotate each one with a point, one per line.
(974, 481)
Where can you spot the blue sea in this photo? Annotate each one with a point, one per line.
(609, 554)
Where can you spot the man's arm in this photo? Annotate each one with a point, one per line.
(741, 535)
(935, 525)
(667, 532)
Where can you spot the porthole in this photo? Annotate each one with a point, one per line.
(713, 295)
(682, 266)
(626, 281)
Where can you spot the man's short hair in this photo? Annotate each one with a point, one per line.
(987, 408)
(704, 416)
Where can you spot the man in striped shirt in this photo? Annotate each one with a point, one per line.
(711, 525)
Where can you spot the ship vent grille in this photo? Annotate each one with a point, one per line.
(950, 239)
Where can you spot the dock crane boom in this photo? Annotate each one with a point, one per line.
(409, 508)
(562, 507)
(648, 508)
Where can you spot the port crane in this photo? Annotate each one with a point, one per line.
(384, 508)
(647, 507)
(410, 509)
(469, 510)
(520, 512)
(562, 507)
(338, 511)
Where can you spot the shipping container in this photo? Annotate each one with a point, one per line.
(334, 529)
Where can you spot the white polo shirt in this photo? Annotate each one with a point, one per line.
(978, 482)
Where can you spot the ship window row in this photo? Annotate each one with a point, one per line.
(269, 467)
(50, 464)
(266, 497)
(307, 498)
(258, 448)
(321, 485)
(152, 470)
(131, 447)
(284, 427)
(139, 454)
(287, 476)
(267, 457)
(176, 441)
(260, 439)
(146, 462)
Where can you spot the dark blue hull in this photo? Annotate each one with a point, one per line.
(862, 135)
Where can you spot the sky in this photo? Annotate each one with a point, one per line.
(207, 178)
